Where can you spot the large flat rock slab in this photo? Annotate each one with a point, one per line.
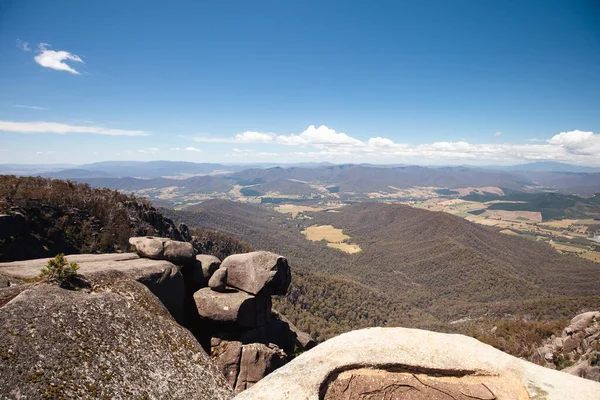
(89, 264)
(163, 278)
(454, 363)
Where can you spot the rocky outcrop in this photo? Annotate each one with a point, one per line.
(246, 338)
(233, 307)
(577, 351)
(111, 339)
(258, 272)
(394, 362)
(249, 340)
(157, 248)
(101, 270)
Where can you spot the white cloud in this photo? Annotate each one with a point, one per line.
(254, 137)
(56, 59)
(574, 146)
(321, 137)
(30, 107)
(61, 129)
(23, 45)
(578, 142)
(497, 134)
(175, 148)
(193, 149)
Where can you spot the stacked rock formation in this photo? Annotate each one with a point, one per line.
(249, 339)
(232, 313)
(577, 351)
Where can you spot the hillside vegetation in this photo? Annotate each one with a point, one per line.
(417, 268)
(44, 217)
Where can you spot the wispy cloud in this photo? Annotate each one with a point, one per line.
(30, 107)
(497, 134)
(194, 149)
(56, 59)
(23, 45)
(61, 129)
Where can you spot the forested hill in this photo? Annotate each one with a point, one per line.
(416, 268)
(458, 259)
(42, 217)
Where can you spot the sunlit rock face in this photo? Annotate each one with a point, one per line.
(401, 363)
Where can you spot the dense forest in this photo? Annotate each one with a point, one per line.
(417, 269)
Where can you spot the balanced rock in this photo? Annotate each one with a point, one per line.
(233, 307)
(164, 249)
(218, 281)
(258, 272)
(428, 365)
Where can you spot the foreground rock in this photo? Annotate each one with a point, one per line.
(101, 270)
(577, 351)
(116, 343)
(258, 272)
(395, 362)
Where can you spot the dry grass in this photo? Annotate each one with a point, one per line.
(335, 237)
(591, 255)
(508, 232)
(345, 247)
(327, 232)
(564, 247)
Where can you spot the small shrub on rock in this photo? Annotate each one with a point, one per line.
(59, 270)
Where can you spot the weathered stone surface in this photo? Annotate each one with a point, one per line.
(245, 364)
(102, 270)
(149, 247)
(115, 343)
(257, 361)
(164, 249)
(423, 353)
(209, 264)
(227, 358)
(234, 307)
(179, 252)
(218, 281)
(258, 272)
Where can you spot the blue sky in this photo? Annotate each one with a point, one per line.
(427, 82)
